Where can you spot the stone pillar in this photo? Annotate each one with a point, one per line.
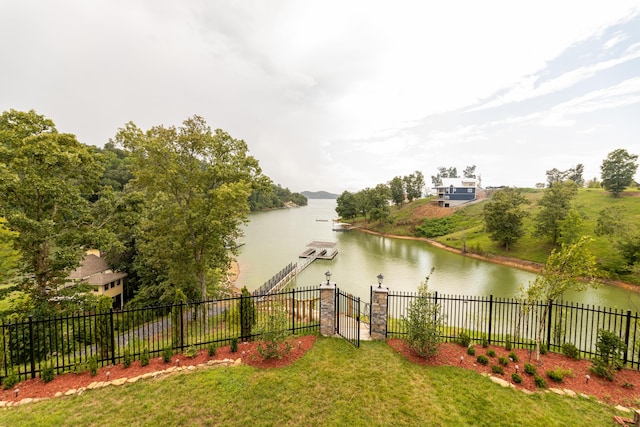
(379, 301)
(328, 309)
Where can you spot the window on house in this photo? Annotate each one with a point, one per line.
(113, 284)
(469, 190)
(106, 287)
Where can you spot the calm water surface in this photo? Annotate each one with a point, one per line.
(274, 239)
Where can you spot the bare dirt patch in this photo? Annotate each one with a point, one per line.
(248, 352)
(611, 392)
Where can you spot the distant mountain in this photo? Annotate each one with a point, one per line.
(319, 195)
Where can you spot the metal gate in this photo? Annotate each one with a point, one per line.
(348, 317)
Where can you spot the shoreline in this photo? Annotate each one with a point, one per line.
(530, 266)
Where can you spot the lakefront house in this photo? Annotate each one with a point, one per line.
(95, 272)
(456, 191)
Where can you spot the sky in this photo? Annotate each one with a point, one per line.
(341, 95)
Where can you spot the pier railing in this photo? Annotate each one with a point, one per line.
(270, 284)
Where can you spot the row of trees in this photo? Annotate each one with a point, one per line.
(166, 204)
(559, 221)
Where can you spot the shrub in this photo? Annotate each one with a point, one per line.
(464, 339)
(79, 367)
(516, 378)
(10, 380)
(491, 353)
(471, 351)
(482, 359)
(503, 360)
(424, 323)
(144, 357)
(127, 358)
(485, 342)
(558, 374)
(570, 350)
(543, 349)
(274, 333)
(167, 353)
(627, 385)
(497, 369)
(48, 372)
(507, 343)
(607, 361)
(529, 369)
(513, 356)
(234, 345)
(247, 314)
(191, 352)
(540, 382)
(93, 365)
(211, 350)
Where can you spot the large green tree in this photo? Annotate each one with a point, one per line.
(554, 207)
(46, 180)
(397, 188)
(347, 205)
(198, 182)
(617, 171)
(503, 216)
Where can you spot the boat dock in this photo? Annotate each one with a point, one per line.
(320, 250)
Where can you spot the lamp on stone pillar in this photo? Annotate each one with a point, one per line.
(380, 277)
(328, 276)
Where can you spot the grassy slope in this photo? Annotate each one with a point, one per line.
(334, 384)
(470, 226)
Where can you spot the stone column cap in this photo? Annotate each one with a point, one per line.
(377, 289)
(329, 286)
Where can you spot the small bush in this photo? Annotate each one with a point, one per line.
(491, 353)
(485, 342)
(144, 357)
(471, 351)
(464, 339)
(543, 349)
(529, 369)
(513, 356)
(557, 375)
(503, 361)
(47, 372)
(516, 378)
(507, 343)
(126, 362)
(93, 365)
(211, 350)
(497, 369)
(570, 350)
(540, 382)
(191, 352)
(274, 334)
(608, 360)
(627, 385)
(10, 380)
(482, 359)
(167, 353)
(234, 345)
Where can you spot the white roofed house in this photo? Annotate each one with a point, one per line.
(456, 191)
(95, 272)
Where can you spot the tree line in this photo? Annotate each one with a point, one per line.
(166, 205)
(561, 222)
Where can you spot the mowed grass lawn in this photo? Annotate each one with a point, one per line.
(334, 384)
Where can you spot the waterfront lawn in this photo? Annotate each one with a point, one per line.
(333, 384)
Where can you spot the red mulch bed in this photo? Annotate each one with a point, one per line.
(36, 388)
(611, 392)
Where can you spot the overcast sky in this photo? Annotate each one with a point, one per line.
(342, 95)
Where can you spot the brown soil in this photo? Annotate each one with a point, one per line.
(36, 388)
(610, 392)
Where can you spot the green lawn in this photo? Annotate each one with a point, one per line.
(334, 384)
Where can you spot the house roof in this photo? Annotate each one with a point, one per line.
(457, 182)
(94, 270)
(90, 265)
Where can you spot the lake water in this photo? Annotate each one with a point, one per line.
(274, 239)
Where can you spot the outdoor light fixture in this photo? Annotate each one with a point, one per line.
(380, 277)
(328, 276)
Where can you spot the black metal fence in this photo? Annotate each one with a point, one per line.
(500, 319)
(69, 342)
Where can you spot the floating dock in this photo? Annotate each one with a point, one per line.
(320, 250)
